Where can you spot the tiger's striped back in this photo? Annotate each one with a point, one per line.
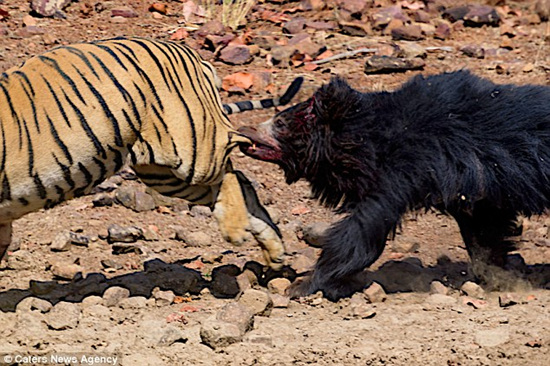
(71, 115)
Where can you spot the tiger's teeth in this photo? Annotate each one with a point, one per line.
(254, 147)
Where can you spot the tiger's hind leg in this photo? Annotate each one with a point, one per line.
(238, 208)
(5, 238)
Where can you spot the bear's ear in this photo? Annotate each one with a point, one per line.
(335, 101)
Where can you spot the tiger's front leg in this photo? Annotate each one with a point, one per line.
(238, 209)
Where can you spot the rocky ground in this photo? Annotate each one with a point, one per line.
(130, 274)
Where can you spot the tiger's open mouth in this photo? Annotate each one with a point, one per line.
(261, 147)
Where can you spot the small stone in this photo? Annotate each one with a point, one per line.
(66, 271)
(211, 257)
(313, 233)
(237, 314)
(528, 67)
(301, 263)
(475, 303)
(473, 51)
(281, 55)
(360, 308)
(92, 300)
(257, 301)
(260, 339)
(113, 295)
(473, 289)
(217, 334)
(442, 31)
(111, 264)
(63, 315)
(197, 239)
(102, 200)
(383, 16)
(119, 234)
(375, 293)
(163, 298)
(32, 304)
(124, 11)
(159, 8)
(235, 55)
(387, 64)
(437, 287)
(144, 202)
(171, 335)
(542, 8)
(294, 26)
(408, 50)
(508, 299)
(278, 285)
(280, 301)
(126, 196)
(246, 280)
(61, 242)
(408, 33)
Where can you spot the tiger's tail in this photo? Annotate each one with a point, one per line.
(249, 105)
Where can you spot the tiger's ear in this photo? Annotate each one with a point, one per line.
(335, 101)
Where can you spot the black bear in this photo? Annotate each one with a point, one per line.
(475, 150)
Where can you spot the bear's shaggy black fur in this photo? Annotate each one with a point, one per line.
(475, 150)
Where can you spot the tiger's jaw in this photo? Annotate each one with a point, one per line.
(261, 146)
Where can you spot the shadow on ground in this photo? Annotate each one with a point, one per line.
(395, 276)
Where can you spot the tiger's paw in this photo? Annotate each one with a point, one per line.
(270, 241)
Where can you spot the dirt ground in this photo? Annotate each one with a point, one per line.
(411, 325)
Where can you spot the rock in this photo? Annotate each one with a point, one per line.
(360, 308)
(237, 314)
(421, 16)
(108, 185)
(294, 26)
(387, 64)
(281, 55)
(163, 298)
(211, 27)
(473, 51)
(113, 295)
(408, 33)
(473, 289)
(61, 242)
(235, 55)
(508, 299)
(473, 15)
(111, 264)
(48, 8)
(355, 28)
(63, 315)
(375, 293)
(264, 339)
(33, 304)
(211, 257)
(246, 280)
(278, 285)
(257, 301)
(126, 196)
(144, 202)
(66, 271)
(158, 8)
(280, 301)
(442, 31)
(92, 300)
(304, 45)
(437, 287)
(197, 239)
(475, 303)
(97, 312)
(492, 337)
(313, 233)
(124, 11)
(119, 234)
(301, 263)
(171, 335)
(383, 16)
(200, 211)
(408, 50)
(102, 200)
(217, 334)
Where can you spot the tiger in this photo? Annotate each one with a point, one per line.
(72, 116)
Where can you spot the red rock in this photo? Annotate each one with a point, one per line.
(179, 34)
(442, 31)
(383, 16)
(235, 55)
